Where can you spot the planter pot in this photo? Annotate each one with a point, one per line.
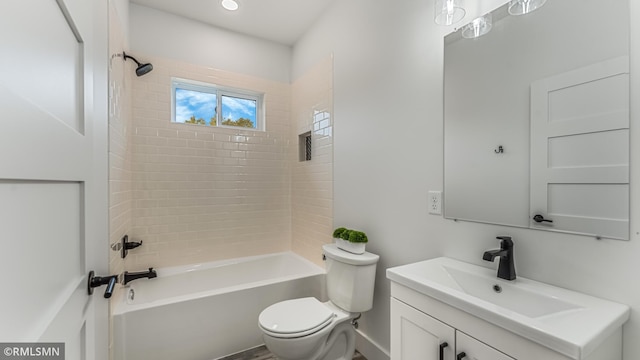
(355, 248)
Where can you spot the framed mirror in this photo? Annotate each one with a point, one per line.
(536, 120)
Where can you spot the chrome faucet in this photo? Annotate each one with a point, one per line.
(506, 268)
(127, 277)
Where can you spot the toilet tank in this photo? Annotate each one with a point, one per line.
(350, 278)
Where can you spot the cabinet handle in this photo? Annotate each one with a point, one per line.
(461, 356)
(442, 346)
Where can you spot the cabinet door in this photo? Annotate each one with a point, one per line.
(417, 336)
(475, 350)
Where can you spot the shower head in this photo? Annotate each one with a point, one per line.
(142, 68)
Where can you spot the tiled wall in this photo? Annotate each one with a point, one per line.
(202, 193)
(120, 124)
(312, 181)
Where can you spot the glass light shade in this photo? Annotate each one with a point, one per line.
(231, 5)
(477, 27)
(521, 7)
(448, 12)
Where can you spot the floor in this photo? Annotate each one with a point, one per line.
(261, 353)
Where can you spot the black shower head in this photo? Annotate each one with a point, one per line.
(142, 68)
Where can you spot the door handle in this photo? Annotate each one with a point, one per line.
(95, 281)
(461, 356)
(442, 346)
(539, 218)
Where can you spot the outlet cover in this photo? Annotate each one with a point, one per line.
(435, 202)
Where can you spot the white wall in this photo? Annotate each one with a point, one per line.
(158, 33)
(121, 8)
(388, 59)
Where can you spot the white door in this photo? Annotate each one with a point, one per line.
(53, 173)
(580, 150)
(416, 335)
(468, 348)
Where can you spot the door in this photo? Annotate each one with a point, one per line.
(53, 173)
(416, 335)
(580, 150)
(468, 348)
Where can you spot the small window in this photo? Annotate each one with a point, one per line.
(210, 105)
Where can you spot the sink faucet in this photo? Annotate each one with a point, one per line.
(128, 277)
(506, 269)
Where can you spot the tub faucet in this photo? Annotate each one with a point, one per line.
(506, 268)
(127, 277)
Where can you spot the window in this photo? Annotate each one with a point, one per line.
(200, 103)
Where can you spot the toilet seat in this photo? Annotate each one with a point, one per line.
(295, 318)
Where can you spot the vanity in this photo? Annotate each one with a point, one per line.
(445, 309)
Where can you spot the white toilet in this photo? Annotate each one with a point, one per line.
(307, 329)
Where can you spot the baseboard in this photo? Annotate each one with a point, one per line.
(369, 348)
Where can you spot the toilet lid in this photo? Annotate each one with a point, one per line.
(293, 318)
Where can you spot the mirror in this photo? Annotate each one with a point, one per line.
(536, 120)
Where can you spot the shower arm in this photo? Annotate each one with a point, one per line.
(130, 57)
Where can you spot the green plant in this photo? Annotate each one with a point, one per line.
(338, 232)
(357, 237)
(353, 236)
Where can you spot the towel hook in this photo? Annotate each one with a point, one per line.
(499, 150)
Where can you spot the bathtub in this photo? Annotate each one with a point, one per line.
(207, 311)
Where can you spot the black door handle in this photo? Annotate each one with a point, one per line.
(539, 218)
(461, 356)
(442, 346)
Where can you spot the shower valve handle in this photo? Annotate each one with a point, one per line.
(95, 281)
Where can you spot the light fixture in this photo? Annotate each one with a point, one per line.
(521, 7)
(448, 12)
(477, 27)
(230, 5)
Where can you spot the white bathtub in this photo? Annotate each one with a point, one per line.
(207, 311)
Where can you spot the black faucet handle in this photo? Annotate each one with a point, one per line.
(95, 281)
(505, 242)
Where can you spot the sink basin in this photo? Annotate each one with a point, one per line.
(571, 323)
(524, 300)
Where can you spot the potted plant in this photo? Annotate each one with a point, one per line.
(352, 241)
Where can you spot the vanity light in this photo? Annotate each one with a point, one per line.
(448, 12)
(231, 5)
(521, 7)
(477, 27)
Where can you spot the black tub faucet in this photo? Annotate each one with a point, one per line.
(130, 276)
(506, 268)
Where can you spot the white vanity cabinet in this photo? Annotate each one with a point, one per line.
(416, 335)
(420, 324)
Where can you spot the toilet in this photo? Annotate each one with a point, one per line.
(307, 329)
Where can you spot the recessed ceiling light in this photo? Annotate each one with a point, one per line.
(231, 5)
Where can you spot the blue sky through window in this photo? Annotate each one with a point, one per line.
(194, 103)
(202, 105)
(235, 108)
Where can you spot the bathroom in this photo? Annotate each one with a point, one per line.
(386, 61)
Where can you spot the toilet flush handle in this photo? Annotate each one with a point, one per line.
(324, 257)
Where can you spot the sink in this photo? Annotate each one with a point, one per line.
(524, 300)
(566, 321)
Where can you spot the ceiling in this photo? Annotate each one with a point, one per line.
(281, 21)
